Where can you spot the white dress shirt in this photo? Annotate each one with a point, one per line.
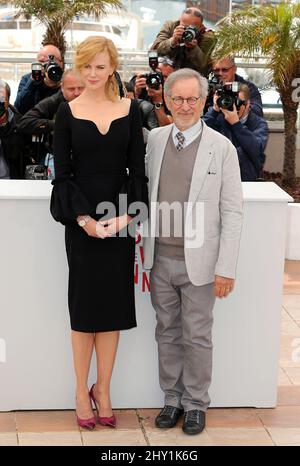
(189, 134)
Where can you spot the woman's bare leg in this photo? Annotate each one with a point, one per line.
(106, 344)
(83, 345)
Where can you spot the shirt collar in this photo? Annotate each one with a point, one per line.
(190, 132)
(244, 119)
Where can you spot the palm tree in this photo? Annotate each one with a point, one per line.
(275, 33)
(56, 14)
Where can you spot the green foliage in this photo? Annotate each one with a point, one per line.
(43, 9)
(62, 11)
(270, 31)
(275, 33)
(56, 14)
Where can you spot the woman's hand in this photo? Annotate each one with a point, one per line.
(92, 228)
(115, 224)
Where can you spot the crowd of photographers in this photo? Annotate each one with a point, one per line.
(233, 107)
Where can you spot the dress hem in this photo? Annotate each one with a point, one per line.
(104, 330)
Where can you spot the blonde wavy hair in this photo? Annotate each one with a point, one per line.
(86, 51)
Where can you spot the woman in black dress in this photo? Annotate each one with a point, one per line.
(98, 154)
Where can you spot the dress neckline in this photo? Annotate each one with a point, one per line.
(94, 124)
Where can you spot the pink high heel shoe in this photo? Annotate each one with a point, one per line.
(89, 423)
(104, 421)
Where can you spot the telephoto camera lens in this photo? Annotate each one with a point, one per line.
(53, 70)
(154, 80)
(228, 95)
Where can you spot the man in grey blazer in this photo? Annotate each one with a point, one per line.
(191, 244)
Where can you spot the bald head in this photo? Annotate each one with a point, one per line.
(192, 16)
(46, 50)
(72, 84)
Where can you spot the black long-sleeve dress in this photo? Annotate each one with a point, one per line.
(90, 168)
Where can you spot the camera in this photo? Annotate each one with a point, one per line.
(37, 71)
(228, 95)
(190, 33)
(214, 84)
(154, 78)
(53, 70)
(50, 67)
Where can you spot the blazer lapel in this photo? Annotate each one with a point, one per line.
(160, 143)
(204, 157)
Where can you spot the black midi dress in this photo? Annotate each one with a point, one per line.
(90, 168)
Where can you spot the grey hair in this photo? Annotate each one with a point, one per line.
(186, 73)
(229, 57)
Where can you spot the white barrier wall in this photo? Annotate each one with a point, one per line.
(292, 251)
(35, 353)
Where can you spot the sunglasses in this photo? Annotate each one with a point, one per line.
(165, 61)
(222, 70)
(189, 11)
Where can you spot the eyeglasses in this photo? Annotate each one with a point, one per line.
(197, 13)
(222, 70)
(178, 101)
(166, 61)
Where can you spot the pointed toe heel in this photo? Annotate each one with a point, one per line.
(89, 424)
(108, 421)
(103, 421)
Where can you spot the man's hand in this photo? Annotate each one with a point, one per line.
(231, 116)
(223, 286)
(215, 106)
(155, 94)
(177, 35)
(140, 84)
(192, 44)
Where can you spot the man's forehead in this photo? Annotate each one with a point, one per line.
(186, 20)
(224, 62)
(185, 85)
(46, 51)
(72, 81)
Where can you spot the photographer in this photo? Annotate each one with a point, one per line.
(187, 41)
(164, 66)
(247, 131)
(149, 120)
(40, 120)
(43, 81)
(225, 69)
(11, 146)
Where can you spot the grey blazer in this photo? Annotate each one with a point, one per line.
(214, 206)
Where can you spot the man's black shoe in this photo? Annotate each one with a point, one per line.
(193, 422)
(168, 417)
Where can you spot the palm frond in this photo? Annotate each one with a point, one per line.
(269, 31)
(275, 33)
